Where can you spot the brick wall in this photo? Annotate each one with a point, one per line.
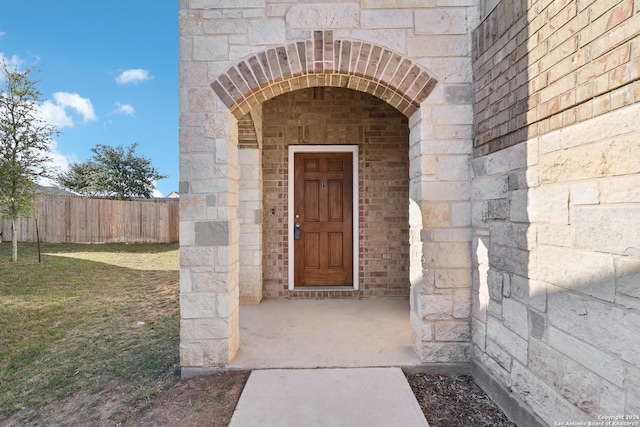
(541, 65)
(341, 116)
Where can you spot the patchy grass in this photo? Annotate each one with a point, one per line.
(90, 335)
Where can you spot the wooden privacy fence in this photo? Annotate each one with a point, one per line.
(65, 219)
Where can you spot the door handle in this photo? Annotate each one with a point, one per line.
(296, 231)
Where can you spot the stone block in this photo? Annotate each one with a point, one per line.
(453, 115)
(508, 340)
(479, 333)
(452, 331)
(502, 375)
(612, 229)
(499, 355)
(453, 168)
(445, 191)
(216, 352)
(452, 235)
(461, 214)
(512, 260)
(266, 32)
(548, 204)
(421, 329)
(197, 305)
(326, 16)
(597, 323)
(212, 233)
(436, 306)
(388, 18)
(461, 304)
(498, 209)
(530, 292)
(210, 48)
(585, 193)
(196, 256)
(537, 325)
(491, 187)
(441, 21)
(436, 214)
(509, 159)
(518, 235)
(453, 278)
(458, 94)
(607, 366)
(619, 122)
(398, 4)
(433, 352)
(438, 46)
(226, 4)
(515, 317)
(452, 70)
(632, 387)
(620, 190)
(613, 157)
(589, 273)
(628, 276)
(191, 354)
(581, 387)
(447, 254)
(198, 166)
(209, 328)
(542, 398)
(495, 280)
(555, 235)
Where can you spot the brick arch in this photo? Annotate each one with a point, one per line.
(324, 61)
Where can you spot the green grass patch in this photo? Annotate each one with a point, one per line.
(89, 334)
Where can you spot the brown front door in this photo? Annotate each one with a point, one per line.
(323, 219)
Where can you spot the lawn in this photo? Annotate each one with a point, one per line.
(90, 335)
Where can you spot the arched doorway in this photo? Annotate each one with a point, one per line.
(212, 251)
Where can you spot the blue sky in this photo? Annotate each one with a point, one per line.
(108, 73)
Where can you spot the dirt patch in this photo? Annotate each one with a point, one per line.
(447, 401)
(204, 401)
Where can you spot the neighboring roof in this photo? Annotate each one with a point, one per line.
(53, 191)
(173, 195)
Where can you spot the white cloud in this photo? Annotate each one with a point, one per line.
(59, 162)
(156, 192)
(13, 63)
(133, 76)
(125, 109)
(56, 113)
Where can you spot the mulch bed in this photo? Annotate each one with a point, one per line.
(455, 401)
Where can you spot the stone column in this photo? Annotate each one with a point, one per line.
(250, 225)
(209, 233)
(440, 192)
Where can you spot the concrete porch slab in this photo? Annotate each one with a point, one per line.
(325, 334)
(372, 397)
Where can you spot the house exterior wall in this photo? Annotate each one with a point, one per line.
(556, 208)
(234, 56)
(526, 263)
(337, 116)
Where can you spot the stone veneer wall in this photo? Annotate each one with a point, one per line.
(556, 211)
(237, 54)
(341, 116)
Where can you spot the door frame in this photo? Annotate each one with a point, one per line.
(353, 149)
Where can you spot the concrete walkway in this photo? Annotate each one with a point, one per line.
(352, 349)
(365, 397)
(325, 334)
